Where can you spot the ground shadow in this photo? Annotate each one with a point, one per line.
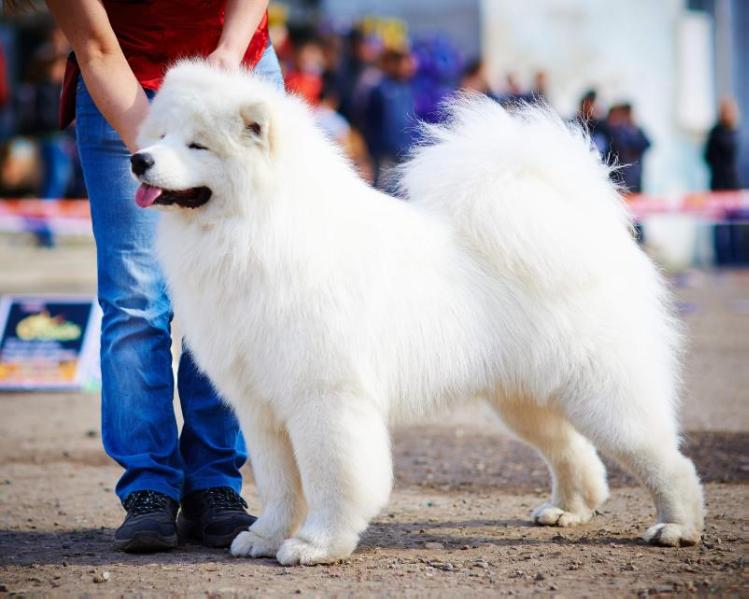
(446, 463)
(93, 547)
(416, 535)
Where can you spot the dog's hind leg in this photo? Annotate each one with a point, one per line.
(578, 476)
(642, 435)
(342, 447)
(278, 484)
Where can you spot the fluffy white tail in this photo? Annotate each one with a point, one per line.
(483, 158)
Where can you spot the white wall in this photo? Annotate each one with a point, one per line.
(628, 50)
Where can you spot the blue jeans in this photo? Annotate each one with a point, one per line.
(139, 429)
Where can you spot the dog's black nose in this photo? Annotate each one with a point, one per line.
(140, 163)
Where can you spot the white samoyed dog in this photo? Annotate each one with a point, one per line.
(323, 310)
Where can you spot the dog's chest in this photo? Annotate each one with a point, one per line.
(204, 284)
(231, 318)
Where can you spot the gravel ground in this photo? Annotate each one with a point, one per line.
(458, 519)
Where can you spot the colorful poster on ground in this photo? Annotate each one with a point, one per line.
(49, 342)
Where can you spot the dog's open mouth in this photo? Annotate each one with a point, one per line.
(148, 195)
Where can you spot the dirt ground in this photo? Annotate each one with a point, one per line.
(458, 519)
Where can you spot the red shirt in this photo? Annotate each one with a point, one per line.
(153, 34)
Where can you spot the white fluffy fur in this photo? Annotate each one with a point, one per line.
(323, 310)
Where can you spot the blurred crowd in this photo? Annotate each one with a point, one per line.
(368, 86)
(369, 89)
(37, 159)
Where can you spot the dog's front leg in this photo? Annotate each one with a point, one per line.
(342, 447)
(278, 484)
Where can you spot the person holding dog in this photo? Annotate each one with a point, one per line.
(121, 49)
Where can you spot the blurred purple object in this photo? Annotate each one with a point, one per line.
(439, 65)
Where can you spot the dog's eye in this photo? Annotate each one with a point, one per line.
(162, 136)
(254, 128)
(194, 146)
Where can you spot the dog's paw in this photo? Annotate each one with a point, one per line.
(250, 544)
(550, 515)
(296, 551)
(671, 535)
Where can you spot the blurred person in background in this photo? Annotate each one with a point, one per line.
(389, 127)
(540, 91)
(5, 150)
(4, 79)
(628, 145)
(512, 86)
(121, 51)
(588, 116)
(304, 77)
(722, 148)
(358, 73)
(513, 94)
(39, 99)
(337, 128)
(474, 79)
(335, 125)
(6, 96)
(332, 56)
(19, 168)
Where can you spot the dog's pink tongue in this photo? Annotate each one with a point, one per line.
(146, 195)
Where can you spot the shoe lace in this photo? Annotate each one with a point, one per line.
(144, 502)
(224, 499)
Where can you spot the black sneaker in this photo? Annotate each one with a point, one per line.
(149, 525)
(213, 517)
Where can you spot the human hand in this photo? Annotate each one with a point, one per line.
(224, 58)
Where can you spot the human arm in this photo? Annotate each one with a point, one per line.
(241, 19)
(108, 77)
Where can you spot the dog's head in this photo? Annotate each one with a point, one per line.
(206, 136)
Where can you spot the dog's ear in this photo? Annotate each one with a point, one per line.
(257, 122)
